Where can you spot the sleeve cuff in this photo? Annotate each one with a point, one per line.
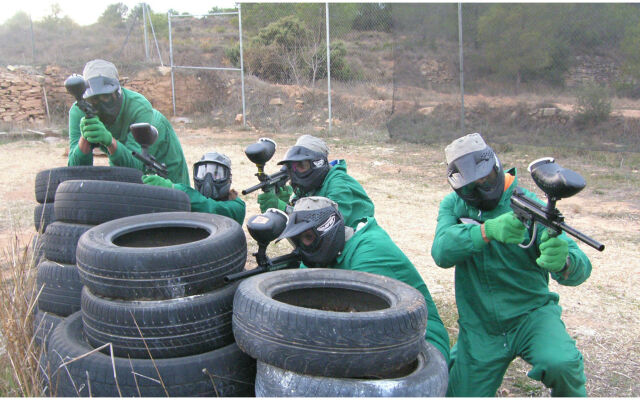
(476, 237)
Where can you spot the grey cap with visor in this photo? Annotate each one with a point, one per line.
(468, 159)
(101, 77)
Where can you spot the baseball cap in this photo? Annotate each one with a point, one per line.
(101, 77)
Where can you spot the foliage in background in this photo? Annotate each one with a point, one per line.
(593, 105)
(526, 42)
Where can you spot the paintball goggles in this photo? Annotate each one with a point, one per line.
(265, 228)
(146, 134)
(557, 183)
(259, 153)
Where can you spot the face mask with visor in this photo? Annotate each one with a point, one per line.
(212, 179)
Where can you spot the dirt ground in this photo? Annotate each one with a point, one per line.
(406, 183)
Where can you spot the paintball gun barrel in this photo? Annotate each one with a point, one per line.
(76, 86)
(265, 228)
(259, 153)
(557, 183)
(146, 134)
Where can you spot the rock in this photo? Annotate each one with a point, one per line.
(181, 120)
(164, 71)
(238, 119)
(276, 101)
(548, 112)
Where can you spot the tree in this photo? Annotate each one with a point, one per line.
(517, 38)
(114, 15)
(630, 45)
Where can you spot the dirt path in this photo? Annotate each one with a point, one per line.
(406, 183)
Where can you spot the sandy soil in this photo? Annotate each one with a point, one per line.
(406, 183)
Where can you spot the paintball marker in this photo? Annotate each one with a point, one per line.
(259, 153)
(265, 228)
(557, 183)
(146, 134)
(76, 85)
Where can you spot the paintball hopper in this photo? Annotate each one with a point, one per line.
(76, 85)
(266, 227)
(555, 181)
(261, 151)
(144, 133)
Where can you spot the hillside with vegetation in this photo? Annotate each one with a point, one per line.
(528, 68)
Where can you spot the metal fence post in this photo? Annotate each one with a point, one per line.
(144, 29)
(328, 65)
(244, 116)
(461, 67)
(173, 90)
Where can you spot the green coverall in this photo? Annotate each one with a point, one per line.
(353, 202)
(504, 304)
(371, 250)
(234, 209)
(135, 108)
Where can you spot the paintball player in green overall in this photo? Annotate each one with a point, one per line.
(117, 109)
(312, 174)
(212, 182)
(317, 229)
(502, 290)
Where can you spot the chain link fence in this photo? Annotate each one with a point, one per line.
(534, 73)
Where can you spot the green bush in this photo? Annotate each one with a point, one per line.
(593, 105)
(233, 55)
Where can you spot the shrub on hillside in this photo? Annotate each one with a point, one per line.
(593, 105)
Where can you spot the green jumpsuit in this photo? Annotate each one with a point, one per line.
(135, 108)
(234, 209)
(371, 250)
(353, 202)
(504, 304)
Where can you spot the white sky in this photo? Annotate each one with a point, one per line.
(86, 12)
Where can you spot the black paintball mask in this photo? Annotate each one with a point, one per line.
(316, 228)
(212, 176)
(105, 95)
(478, 178)
(307, 168)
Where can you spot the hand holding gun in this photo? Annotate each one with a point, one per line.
(557, 183)
(146, 135)
(265, 228)
(259, 153)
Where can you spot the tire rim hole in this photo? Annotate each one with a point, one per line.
(333, 299)
(161, 236)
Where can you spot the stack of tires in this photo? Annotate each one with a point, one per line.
(336, 333)
(155, 316)
(55, 243)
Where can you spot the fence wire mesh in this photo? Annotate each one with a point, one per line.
(534, 73)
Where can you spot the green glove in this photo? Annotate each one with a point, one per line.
(270, 200)
(553, 253)
(285, 193)
(505, 228)
(94, 131)
(156, 180)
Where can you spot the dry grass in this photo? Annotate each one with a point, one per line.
(406, 183)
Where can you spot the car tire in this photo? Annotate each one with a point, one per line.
(43, 215)
(95, 202)
(329, 322)
(162, 328)
(224, 372)
(60, 241)
(59, 286)
(47, 181)
(160, 256)
(427, 376)
(43, 325)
